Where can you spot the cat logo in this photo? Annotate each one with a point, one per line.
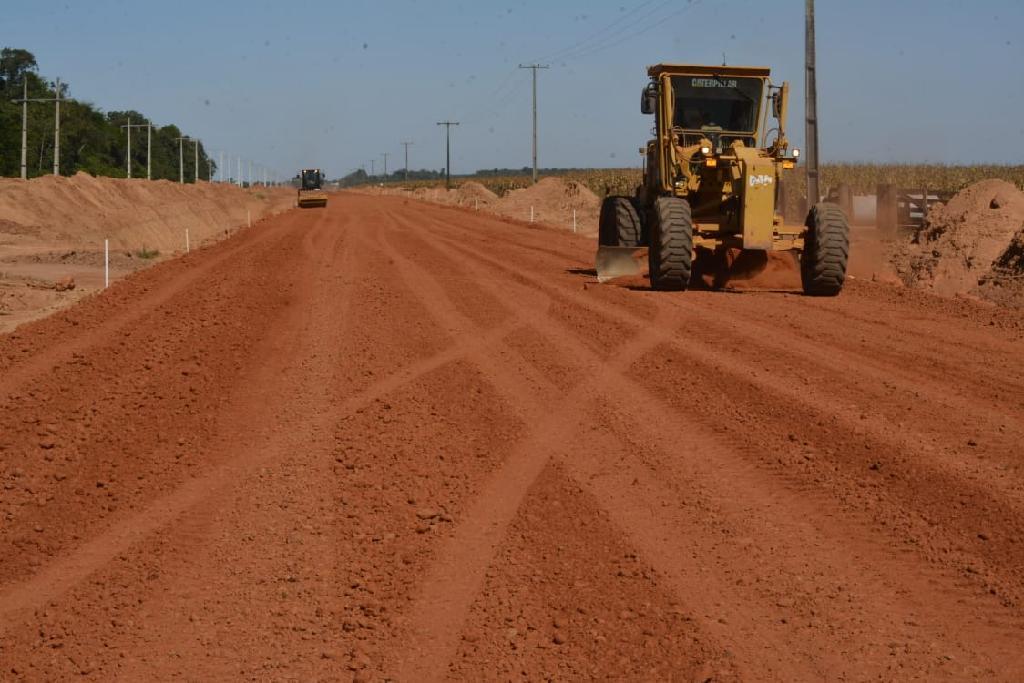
(761, 180)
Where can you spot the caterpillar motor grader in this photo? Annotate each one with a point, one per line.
(310, 193)
(711, 185)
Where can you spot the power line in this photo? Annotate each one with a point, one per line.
(601, 33)
(594, 49)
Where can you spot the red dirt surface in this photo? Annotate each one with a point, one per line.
(395, 441)
(552, 202)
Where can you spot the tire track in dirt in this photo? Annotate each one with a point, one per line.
(481, 442)
(119, 306)
(994, 505)
(457, 575)
(59, 576)
(94, 439)
(892, 329)
(568, 597)
(272, 503)
(477, 255)
(1004, 424)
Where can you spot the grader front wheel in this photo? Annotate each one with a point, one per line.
(670, 254)
(826, 250)
(619, 224)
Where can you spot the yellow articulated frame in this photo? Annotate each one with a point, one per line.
(703, 236)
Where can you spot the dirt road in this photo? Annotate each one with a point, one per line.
(397, 441)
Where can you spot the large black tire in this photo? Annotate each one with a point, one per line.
(826, 250)
(619, 225)
(670, 252)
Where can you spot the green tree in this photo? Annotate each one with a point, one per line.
(91, 140)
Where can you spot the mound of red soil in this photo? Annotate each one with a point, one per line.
(553, 201)
(472, 190)
(83, 211)
(970, 246)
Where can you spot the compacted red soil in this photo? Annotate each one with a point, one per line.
(395, 441)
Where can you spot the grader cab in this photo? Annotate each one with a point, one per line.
(712, 183)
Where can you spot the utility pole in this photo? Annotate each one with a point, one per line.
(406, 145)
(24, 127)
(811, 105)
(149, 146)
(220, 166)
(56, 132)
(24, 132)
(181, 157)
(196, 143)
(533, 68)
(385, 155)
(448, 151)
(239, 179)
(373, 173)
(129, 128)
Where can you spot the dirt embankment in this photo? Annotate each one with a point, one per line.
(133, 214)
(973, 246)
(560, 203)
(52, 232)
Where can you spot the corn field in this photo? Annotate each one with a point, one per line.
(863, 178)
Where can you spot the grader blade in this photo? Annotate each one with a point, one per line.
(613, 262)
(745, 264)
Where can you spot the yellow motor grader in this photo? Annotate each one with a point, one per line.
(712, 182)
(310, 193)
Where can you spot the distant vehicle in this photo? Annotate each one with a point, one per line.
(711, 184)
(310, 193)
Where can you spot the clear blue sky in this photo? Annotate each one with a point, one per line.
(335, 84)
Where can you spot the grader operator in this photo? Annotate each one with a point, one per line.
(712, 183)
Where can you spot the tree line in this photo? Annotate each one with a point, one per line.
(91, 140)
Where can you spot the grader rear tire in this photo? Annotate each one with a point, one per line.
(619, 224)
(670, 253)
(826, 250)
